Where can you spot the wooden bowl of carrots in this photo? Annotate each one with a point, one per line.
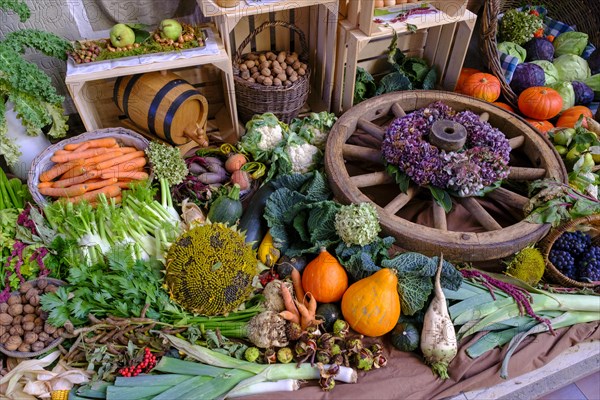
(82, 167)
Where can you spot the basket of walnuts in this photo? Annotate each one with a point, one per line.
(24, 332)
(276, 82)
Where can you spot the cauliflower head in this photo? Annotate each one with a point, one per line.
(263, 134)
(304, 157)
(357, 224)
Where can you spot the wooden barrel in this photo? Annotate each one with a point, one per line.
(163, 105)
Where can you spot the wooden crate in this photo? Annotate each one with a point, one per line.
(443, 45)
(360, 13)
(316, 18)
(212, 75)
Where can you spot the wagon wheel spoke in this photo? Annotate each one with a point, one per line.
(372, 129)
(371, 179)
(360, 153)
(484, 117)
(526, 174)
(508, 197)
(398, 110)
(439, 217)
(401, 200)
(516, 142)
(480, 214)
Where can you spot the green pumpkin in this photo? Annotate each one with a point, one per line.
(227, 209)
(406, 337)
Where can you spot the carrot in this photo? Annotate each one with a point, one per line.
(62, 152)
(120, 159)
(129, 165)
(109, 191)
(62, 192)
(291, 311)
(45, 184)
(104, 157)
(58, 169)
(127, 150)
(297, 284)
(100, 184)
(63, 183)
(75, 171)
(290, 316)
(124, 184)
(79, 155)
(92, 144)
(134, 175)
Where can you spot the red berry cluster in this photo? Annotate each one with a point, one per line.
(147, 363)
(267, 277)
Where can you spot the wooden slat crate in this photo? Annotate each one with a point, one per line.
(316, 18)
(444, 46)
(92, 93)
(360, 13)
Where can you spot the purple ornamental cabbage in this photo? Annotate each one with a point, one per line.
(539, 49)
(584, 95)
(594, 61)
(527, 75)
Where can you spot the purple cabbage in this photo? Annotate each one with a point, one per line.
(594, 61)
(527, 75)
(539, 49)
(584, 95)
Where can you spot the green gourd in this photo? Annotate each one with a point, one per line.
(227, 209)
(329, 313)
(405, 337)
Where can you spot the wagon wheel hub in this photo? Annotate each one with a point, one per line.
(356, 172)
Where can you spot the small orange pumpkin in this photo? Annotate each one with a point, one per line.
(542, 126)
(482, 86)
(371, 306)
(539, 102)
(325, 278)
(505, 106)
(464, 74)
(569, 117)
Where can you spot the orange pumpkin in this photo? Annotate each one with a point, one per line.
(539, 102)
(464, 74)
(569, 117)
(542, 126)
(504, 106)
(482, 86)
(325, 278)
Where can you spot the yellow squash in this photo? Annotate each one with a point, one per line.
(268, 254)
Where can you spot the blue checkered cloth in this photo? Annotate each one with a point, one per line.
(508, 63)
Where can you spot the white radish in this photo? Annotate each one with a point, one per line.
(438, 338)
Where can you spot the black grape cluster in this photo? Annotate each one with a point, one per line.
(574, 256)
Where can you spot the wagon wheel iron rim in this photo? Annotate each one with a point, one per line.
(495, 241)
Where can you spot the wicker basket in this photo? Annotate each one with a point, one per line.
(592, 225)
(53, 344)
(584, 15)
(42, 162)
(255, 98)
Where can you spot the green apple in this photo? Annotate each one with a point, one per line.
(572, 156)
(564, 136)
(588, 162)
(121, 35)
(562, 150)
(170, 29)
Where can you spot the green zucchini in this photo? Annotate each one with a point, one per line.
(252, 220)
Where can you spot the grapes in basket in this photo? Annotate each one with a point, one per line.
(575, 257)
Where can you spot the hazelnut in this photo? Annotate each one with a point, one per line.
(13, 343)
(28, 326)
(6, 319)
(15, 309)
(14, 299)
(24, 348)
(30, 337)
(37, 346)
(29, 309)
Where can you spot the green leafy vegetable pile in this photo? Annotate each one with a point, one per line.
(408, 73)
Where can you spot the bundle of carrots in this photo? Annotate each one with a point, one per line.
(84, 170)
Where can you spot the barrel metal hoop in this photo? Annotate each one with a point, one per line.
(158, 99)
(127, 92)
(116, 91)
(173, 109)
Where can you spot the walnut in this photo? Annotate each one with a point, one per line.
(24, 348)
(28, 326)
(49, 329)
(15, 309)
(58, 333)
(37, 346)
(17, 320)
(34, 300)
(42, 283)
(3, 307)
(38, 321)
(30, 293)
(6, 319)
(23, 299)
(38, 329)
(50, 289)
(14, 299)
(16, 330)
(43, 337)
(4, 337)
(13, 343)
(4, 329)
(30, 337)
(29, 309)
(25, 287)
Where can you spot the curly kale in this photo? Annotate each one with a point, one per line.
(17, 6)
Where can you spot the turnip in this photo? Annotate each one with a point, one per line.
(438, 339)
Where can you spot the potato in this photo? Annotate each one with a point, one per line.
(37, 346)
(277, 82)
(289, 71)
(13, 343)
(282, 77)
(250, 80)
(260, 79)
(262, 58)
(255, 75)
(266, 72)
(15, 309)
(245, 74)
(301, 71)
(254, 70)
(6, 319)
(277, 71)
(243, 67)
(268, 81)
(30, 337)
(14, 299)
(296, 65)
(281, 57)
(250, 63)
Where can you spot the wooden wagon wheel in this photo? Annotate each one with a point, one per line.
(356, 173)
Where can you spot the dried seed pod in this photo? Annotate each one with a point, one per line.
(15, 309)
(28, 317)
(28, 326)
(14, 299)
(282, 77)
(38, 346)
(30, 337)
(16, 330)
(25, 287)
(24, 348)
(3, 307)
(4, 337)
(6, 319)
(277, 82)
(268, 81)
(266, 72)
